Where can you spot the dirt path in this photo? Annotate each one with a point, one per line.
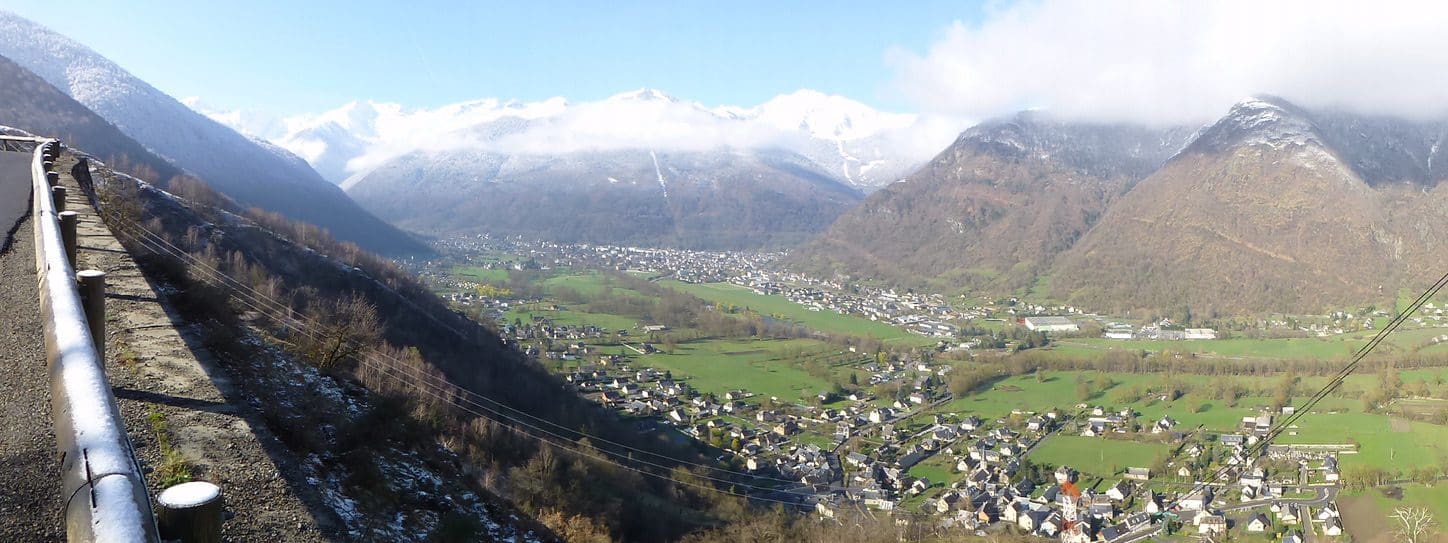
(167, 383)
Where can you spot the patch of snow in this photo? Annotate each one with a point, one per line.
(189, 494)
(660, 173)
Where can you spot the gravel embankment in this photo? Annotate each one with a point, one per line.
(159, 370)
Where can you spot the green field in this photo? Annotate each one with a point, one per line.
(572, 317)
(781, 307)
(1421, 444)
(719, 366)
(939, 469)
(1330, 348)
(1098, 457)
(763, 366)
(1285, 349)
(482, 275)
(1333, 420)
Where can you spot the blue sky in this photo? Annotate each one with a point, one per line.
(291, 57)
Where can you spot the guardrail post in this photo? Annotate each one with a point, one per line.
(67, 234)
(52, 179)
(93, 299)
(190, 512)
(58, 195)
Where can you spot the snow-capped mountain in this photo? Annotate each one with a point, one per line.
(850, 141)
(251, 173)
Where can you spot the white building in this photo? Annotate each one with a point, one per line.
(1200, 333)
(1051, 324)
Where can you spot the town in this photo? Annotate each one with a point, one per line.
(908, 452)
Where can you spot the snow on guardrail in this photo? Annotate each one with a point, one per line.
(102, 486)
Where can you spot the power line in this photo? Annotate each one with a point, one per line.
(1255, 450)
(255, 298)
(441, 393)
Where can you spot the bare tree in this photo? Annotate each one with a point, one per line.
(346, 327)
(1414, 523)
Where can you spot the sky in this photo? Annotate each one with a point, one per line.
(291, 57)
(1149, 61)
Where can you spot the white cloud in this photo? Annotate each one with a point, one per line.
(359, 136)
(1172, 62)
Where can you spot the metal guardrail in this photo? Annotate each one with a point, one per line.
(103, 488)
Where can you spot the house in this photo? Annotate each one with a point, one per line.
(1332, 527)
(1112, 533)
(1164, 425)
(1065, 474)
(1032, 520)
(1076, 534)
(856, 459)
(1184, 471)
(1328, 511)
(1103, 511)
(825, 510)
(1212, 524)
(1196, 500)
(1138, 474)
(1012, 511)
(1294, 537)
(1288, 515)
(1153, 504)
(947, 502)
(1119, 491)
(1137, 520)
(1259, 523)
(1053, 525)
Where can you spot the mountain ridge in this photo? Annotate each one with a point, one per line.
(1272, 207)
(237, 166)
(859, 145)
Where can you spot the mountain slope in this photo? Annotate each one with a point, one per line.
(1271, 208)
(716, 199)
(29, 103)
(235, 165)
(847, 140)
(996, 207)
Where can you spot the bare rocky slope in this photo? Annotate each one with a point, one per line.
(995, 208)
(1271, 208)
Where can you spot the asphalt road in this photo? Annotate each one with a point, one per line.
(14, 192)
(30, 497)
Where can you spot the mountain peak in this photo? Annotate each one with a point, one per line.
(1257, 121)
(827, 116)
(643, 95)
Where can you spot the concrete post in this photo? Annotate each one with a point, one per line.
(93, 298)
(58, 195)
(190, 512)
(47, 164)
(53, 178)
(67, 234)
